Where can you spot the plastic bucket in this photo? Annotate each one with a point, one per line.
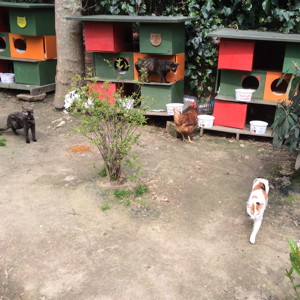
(205, 121)
(171, 106)
(258, 127)
(243, 94)
(7, 77)
(127, 103)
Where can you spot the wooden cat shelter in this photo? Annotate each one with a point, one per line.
(255, 60)
(110, 39)
(28, 46)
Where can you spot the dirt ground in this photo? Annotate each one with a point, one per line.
(186, 239)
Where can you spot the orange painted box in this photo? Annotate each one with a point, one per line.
(32, 47)
(171, 76)
(274, 91)
(230, 114)
(236, 55)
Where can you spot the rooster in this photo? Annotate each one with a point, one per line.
(185, 123)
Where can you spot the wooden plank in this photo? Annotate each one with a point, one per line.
(132, 19)
(19, 59)
(33, 89)
(236, 131)
(121, 80)
(253, 101)
(230, 33)
(26, 5)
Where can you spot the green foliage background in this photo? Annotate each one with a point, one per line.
(273, 15)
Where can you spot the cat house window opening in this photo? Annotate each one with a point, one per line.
(250, 82)
(2, 44)
(279, 89)
(20, 45)
(121, 65)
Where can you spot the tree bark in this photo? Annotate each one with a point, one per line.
(69, 41)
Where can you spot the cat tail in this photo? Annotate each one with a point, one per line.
(4, 129)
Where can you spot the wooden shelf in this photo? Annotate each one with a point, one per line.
(120, 80)
(20, 59)
(33, 89)
(253, 101)
(236, 131)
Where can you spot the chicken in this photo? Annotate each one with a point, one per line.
(185, 123)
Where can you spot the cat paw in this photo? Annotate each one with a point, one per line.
(27, 142)
(252, 240)
(34, 140)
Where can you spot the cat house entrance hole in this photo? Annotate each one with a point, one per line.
(250, 82)
(279, 88)
(20, 45)
(2, 44)
(121, 65)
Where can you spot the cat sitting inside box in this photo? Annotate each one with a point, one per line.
(152, 65)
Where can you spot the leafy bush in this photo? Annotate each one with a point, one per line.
(286, 127)
(295, 262)
(112, 128)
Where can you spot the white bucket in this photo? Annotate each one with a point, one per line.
(7, 77)
(171, 106)
(243, 94)
(205, 121)
(127, 103)
(258, 127)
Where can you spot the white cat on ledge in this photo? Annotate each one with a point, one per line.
(257, 204)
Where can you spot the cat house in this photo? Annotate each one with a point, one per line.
(106, 90)
(161, 38)
(35, 73)
(232, 79)
(114, 65)
(256, 61)
(117, 42)
(171, 76)
(4, 44)
(38, 20)
(28, 46)
(32, 47)
(156, 97)
(107, 37)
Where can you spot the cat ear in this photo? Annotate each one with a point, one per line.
(249, 205)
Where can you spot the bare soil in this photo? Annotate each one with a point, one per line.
(186, 239)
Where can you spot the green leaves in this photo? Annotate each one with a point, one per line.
(286, 127)
(294, 255)
(295, 262)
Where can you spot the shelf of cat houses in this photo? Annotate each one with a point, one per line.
(33, 89)
(236, 131)
(117, 80)
(252, 101)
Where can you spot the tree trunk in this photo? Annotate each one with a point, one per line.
(70, 54)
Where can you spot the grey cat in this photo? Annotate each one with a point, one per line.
(19, 120)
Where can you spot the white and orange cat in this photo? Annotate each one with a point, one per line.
(257, 204)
